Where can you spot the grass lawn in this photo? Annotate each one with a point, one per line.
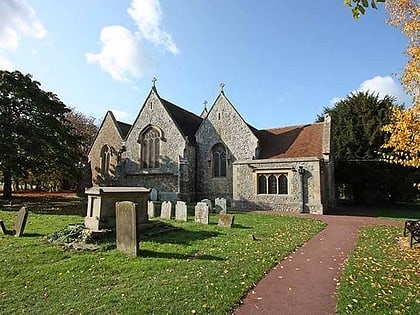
(382, 275)
(197, 268)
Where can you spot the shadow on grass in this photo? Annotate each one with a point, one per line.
(152, 254)
(400, 211)
(180, 236)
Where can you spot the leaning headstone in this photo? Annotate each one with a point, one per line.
(153, 194)
(20, 222)
(208, 203)
(202, 213)
(151, 209)
(2, 227)
(226, 220)
(166, 210)
(181, 211)
(126, 228)
(220, 205)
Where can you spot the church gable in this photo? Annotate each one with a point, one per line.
(103, 154)
(157, 123)
(224, 124)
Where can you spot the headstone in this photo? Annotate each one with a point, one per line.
(151, 209)
(126, 228)
(20, 222)
(2, 227)
(226, 220)
(202, 213)
(181, 213)
(153, 194)
(208, 203)
(220, 205)
(166, 210)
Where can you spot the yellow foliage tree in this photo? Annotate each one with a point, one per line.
(404, 128)
(403, 146)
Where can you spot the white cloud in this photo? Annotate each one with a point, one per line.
(121, 55)
(119, 114)
(148, 15)
(5, 64)
(18, 18)
(381, 86)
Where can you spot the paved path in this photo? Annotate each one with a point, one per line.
(305, 282)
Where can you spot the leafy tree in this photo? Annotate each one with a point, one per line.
(404, 126)
(357, 135)
(35, 136)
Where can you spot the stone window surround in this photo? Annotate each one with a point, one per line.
(160, 137)
(220, 150)
(105, 159)
(277, 173)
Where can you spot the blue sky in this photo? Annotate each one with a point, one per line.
(281, 61)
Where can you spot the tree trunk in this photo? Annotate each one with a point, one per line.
(7, 184)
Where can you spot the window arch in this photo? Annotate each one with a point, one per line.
(262, 184)
(283, 189)
(105, 159)
(218, 155)
(150, 148)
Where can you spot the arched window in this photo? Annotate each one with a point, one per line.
(272, 183)
(218, 154)
(262, 184)
(105, 159)
(150, 148)
(283, 184)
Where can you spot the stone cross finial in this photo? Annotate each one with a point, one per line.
(222, 85)
(154, 81)
(205, 104)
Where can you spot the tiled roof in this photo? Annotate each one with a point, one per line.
(124, 129)
(291, 142)
(187, 122)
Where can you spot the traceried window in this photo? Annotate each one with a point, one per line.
(275, 183)
(218, 155)
(150, 148)
(105, 159)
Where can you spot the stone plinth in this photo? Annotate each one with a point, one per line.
(101, 205)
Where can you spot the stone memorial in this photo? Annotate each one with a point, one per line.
(126, 228)
(151, 209)
(220, 205)
(153, 194)
(181, 213)
(101, 205)
(226, 220)
(20, 222)
(208, 203)
(202, 213)
(2, 228)
(166, 210)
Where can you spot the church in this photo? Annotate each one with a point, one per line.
(217, 154)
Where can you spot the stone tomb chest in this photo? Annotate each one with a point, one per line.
(101, 205)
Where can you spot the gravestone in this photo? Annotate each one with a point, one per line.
(151, 209)
(2, 227)
(166, 210)
(20, 222)
(202, 213)
(226, 220)
(220, 205)
(126, 228)
(153, 194)
(208, 203)
(181, 213)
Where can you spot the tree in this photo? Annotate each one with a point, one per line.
(36, 138)
(404, 126)
(357, 135)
